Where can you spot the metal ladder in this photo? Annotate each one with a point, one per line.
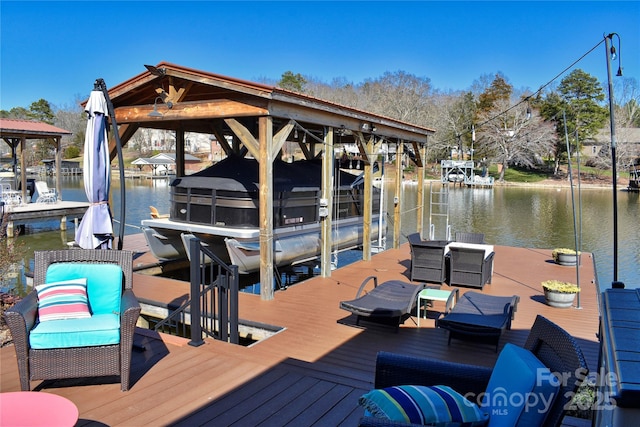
(439, 211)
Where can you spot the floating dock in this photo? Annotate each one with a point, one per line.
(26, 212)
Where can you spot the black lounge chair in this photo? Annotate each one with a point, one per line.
(480, 317)
(389, 303)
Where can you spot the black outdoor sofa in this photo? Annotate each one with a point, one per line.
(552, 345)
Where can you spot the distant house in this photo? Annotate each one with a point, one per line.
(164, 163)
(628, 137)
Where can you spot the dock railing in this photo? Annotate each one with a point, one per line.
(212, 309)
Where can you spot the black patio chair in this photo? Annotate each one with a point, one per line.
(428, 259)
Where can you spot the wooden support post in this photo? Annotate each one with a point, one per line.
(368, 200)
(326, 223)
(23, 169)
(265, 138)
(10, 229)
(397, 201)
(63, 223)
(180, 151)
(421, 177)
(58, 152)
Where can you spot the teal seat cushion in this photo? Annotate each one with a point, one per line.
(104, 283)
(426, 405)
(99, 329)
(521, 389)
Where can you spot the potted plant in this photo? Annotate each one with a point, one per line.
(559, 294)
(565, 256)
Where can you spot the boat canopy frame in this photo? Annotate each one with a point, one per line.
(255, 119)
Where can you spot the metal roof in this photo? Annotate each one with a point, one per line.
(29, 129)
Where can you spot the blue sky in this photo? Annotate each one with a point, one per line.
(55, 50)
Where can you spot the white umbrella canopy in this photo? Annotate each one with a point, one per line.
(96, 229)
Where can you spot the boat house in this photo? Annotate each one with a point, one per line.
(255, 120)
(16, 132)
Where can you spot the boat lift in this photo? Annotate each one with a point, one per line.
(461, 172)
(634, 178)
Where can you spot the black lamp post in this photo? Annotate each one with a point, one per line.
(611, 55)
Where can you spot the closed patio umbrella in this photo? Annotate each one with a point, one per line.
(96, 229)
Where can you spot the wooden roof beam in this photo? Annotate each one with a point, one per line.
(245, 136)
(220, 108)
(281, 137)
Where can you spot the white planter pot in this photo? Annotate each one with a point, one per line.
(567, 259)
(558, 299)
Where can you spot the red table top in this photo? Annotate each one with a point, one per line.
(30, 408)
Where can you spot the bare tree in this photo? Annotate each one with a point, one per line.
(512, 134)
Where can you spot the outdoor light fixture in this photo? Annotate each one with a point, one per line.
(155, 112)
(159, 72)
(611, 55)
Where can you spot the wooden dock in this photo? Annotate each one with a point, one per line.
(314, 370)
(26, 212)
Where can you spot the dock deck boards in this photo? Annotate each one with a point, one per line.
(313, 371)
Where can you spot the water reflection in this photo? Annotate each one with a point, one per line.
(513, 216)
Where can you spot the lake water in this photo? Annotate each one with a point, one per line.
(511, 216)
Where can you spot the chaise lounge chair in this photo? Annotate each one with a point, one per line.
(479, 316)
(45, 194)
(389, 303)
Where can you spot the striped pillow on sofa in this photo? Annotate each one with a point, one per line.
(427, 405)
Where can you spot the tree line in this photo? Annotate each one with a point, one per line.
(491, 122)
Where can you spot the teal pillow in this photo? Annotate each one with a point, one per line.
(521, 389)
(104, 283)
(427, 405)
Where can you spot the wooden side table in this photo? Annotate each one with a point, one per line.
(31, 408)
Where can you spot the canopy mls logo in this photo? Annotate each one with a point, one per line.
(501, 401)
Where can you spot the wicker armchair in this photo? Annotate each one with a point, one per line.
(74, 362)
(551, 344)
(466, 237)
(470, 266)
(428, 259)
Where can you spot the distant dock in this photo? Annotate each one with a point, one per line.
(38, 211)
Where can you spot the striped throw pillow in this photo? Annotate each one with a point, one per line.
(426, 405)
(63, 300)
